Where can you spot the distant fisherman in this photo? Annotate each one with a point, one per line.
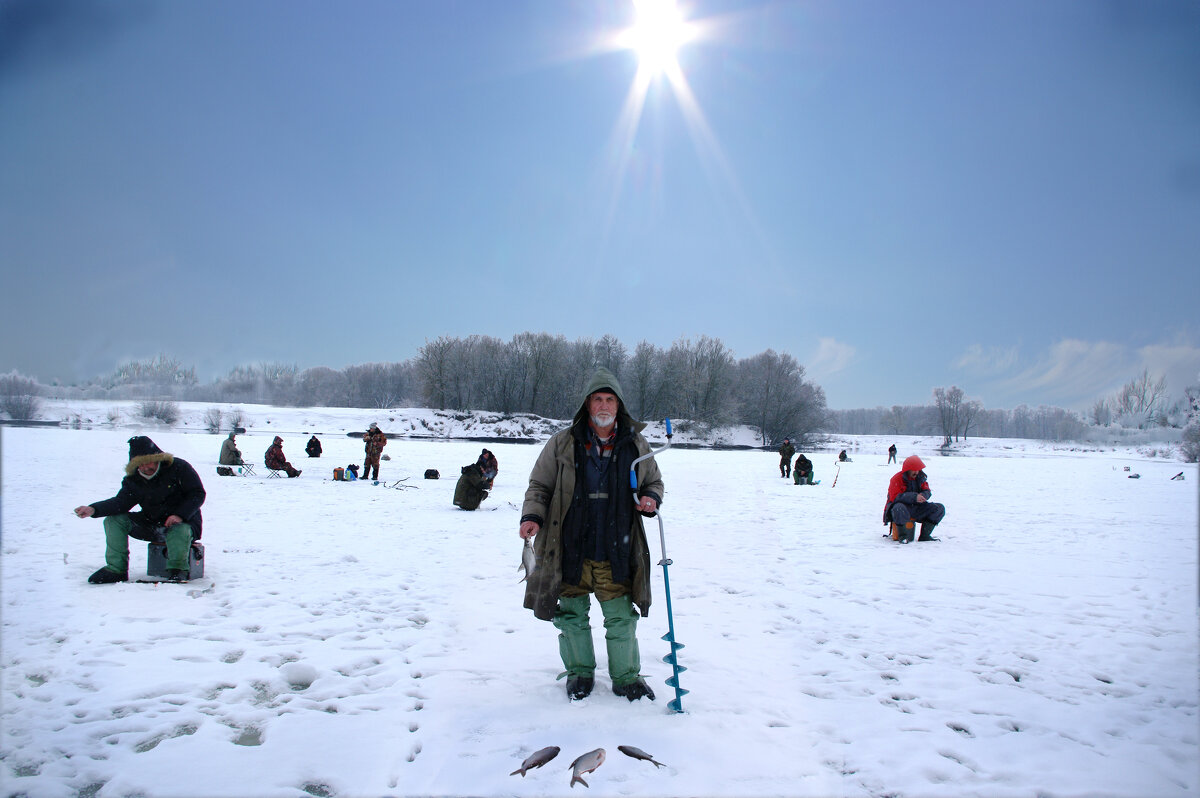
(592, 540)
(374, 441)
(785, 458)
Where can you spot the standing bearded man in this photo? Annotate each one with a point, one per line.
(591, 537)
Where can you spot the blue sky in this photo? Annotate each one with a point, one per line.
(1002, 196)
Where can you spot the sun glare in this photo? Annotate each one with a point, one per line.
(656, 36)
(659, 31)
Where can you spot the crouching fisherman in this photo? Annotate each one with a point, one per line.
(908, 501)
(590, 537)
(169, 492)
(474, 483)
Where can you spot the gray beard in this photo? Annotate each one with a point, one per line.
(149, 476)
(601, 423)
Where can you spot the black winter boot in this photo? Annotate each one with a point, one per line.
(177, 575)
(634, 690)
(579, 687)
(927, 533)
(105, 576)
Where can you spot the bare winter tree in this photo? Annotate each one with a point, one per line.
(946, 411)
(19, 397)
(701, 374)
(379, 385)
(895, 420)
(463, 365)
(322, 386)
(580, 361)
(161, 377)
(1141, 398)
(643, 381)
(611, 354)
(434, 365)
(243, 384)
(1101, 414)
(278, 382)
(970, 413)
(501, 383)
(541, 356)
(775, 398)
(1191, 404)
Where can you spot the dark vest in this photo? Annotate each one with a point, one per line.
(598, 522)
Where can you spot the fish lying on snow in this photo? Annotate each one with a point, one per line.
(528, 560)
(637, 753)
(536, 760)
(586, 764)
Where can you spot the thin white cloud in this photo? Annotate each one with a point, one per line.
(993, 360)
(1179, 363)
(1075, 373)
(831, 357)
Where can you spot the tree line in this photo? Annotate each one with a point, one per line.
(1140, 403)
(962, 421)
(697, 382)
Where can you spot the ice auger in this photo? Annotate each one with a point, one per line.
(675, 705)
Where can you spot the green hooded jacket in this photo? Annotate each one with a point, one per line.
(548, 498)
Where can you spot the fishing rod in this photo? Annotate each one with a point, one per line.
(676, 705)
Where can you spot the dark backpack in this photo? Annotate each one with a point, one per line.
(431, 473)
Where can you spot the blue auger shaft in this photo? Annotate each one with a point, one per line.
(673, 658)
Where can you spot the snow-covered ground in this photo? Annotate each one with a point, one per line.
(359, 640)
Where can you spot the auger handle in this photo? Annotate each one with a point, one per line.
(633, 466)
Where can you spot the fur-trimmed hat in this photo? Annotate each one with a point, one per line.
(142, 450)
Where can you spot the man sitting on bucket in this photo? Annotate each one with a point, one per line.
(908, 500)
(590, 537)
(170, 494)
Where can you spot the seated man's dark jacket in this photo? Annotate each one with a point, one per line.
(175, 490)
(471, 488)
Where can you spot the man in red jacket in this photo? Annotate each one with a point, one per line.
(908, 500)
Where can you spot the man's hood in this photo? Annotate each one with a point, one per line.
(605, 380)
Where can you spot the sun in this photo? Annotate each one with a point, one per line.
(658, 32)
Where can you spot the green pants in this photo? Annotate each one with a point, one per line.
(620, 626)
(119, 528)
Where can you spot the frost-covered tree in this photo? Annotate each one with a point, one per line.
(611, 354)
(1101, 413)
(948, 402)
(1189, 446)
(644, 381)
(774, 398)
(160, 377)
(700, 375)
(969, 415)
(542, 357)
(1141, 400)
(19, 397)
(321, 386)
(434, 365)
